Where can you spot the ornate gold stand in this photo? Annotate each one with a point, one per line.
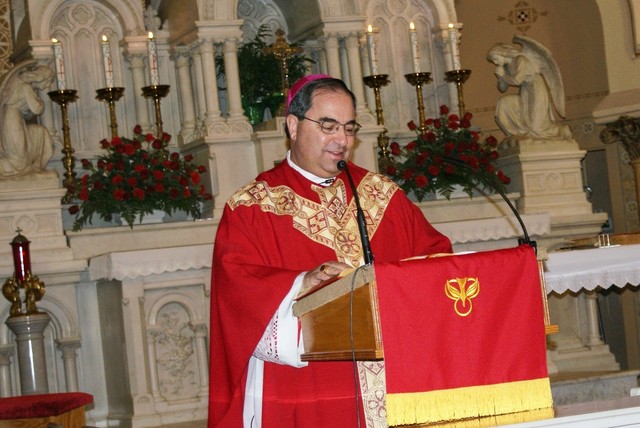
(458, 77)
(111, 95)
(377, 81)
(417, 80)
(64, 97)
(156, 92)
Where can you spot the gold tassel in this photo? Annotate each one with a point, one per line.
(468, 402)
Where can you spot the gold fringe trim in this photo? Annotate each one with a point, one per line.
(468, 402)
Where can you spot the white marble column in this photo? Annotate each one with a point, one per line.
(210, 84)
(152, 334)
(593, 320)
(199, 85)
(69, 358)
(6, 353)
(232, 74)
(331, 48)
(201, 334)
(29, 331)
(355, 70)
(187, 108)
(136, 65)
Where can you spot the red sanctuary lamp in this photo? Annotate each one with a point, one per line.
(33, 288)
(21, 257)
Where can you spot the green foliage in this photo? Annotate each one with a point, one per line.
(134, 178)
(260, 77)
(421, 168)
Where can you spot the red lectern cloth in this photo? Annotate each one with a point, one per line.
(463, 336)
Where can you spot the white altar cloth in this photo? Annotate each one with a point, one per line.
(131, 264)
(576, 270)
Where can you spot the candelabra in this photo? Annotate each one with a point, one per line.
(417, 80)
(110, 96)
(459, 77)
(63, 98)
(156, 92)
(375, 82)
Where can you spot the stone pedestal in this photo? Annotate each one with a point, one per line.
(29, 331)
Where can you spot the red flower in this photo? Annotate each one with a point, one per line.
(132, 181)
(85, 163)
(411, 145)
(149, 137)
(408, 173)
(395, 149)
(195, 177)
(119, 194)
(412, 125)
(421, 181)
(139, 168)
(129, 149)
(202, 169)
(158, 175)
(138, 193)
(157, 144)
(104, 144)
(74, 209)
(444, 110)
(116, 141)
(391, 170)
(117, 179)
(188, 158)
(137, 130)
(434, 170)
(158, 188)
(449, 169)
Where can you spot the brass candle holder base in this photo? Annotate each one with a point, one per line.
(110, 96)
(418, 80)
(63, 98)
(459, 77)
(375, 82)
(33, 288)
(156, 92)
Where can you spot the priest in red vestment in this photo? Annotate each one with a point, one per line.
(290, 229)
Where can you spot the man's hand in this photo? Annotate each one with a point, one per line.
(322, 273)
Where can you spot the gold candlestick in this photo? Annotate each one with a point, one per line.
(64, 97)
(377, 81)
(111, 95)
(156, 92)
(458, 77)
(417, 80)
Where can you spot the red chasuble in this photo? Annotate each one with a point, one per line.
(274, 228)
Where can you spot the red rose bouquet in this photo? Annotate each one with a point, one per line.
(446, 152)
(134, 178)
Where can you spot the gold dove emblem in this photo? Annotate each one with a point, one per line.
(461, 291)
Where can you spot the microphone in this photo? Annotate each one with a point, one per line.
(362, 225)
(494, 186)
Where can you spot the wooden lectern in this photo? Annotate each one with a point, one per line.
(456, 329)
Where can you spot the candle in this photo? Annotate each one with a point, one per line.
(153, 60)
(371, 46)
(106, 61)
(453, 42)
(21, 258)
(58, 61)
(415, 50)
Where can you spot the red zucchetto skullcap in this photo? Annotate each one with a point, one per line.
(300, 83)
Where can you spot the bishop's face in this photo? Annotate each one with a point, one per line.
(314, 150)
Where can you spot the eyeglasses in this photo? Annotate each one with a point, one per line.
(331, 126)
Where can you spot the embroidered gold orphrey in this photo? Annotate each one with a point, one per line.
(462, 291)
(328, 222)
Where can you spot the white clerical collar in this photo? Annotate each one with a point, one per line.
(309, 176)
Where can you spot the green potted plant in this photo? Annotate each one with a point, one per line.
(136, 177)
(260, 78)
